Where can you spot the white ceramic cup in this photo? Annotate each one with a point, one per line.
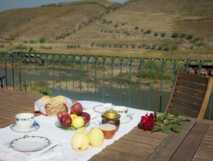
(24, 120)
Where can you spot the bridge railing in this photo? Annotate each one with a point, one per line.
(137, 82)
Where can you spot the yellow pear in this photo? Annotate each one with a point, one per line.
(96, 137)
(81, 130)
(80, 141)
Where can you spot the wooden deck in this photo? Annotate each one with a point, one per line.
(194, 143)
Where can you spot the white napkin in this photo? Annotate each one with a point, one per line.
(39, 106)
(56, 135)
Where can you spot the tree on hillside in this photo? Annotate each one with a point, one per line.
(136, 28)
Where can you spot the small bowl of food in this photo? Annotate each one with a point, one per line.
(108, 130)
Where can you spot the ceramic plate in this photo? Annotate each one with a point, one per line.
(102, 107)
(126, 119)
(30, 143)
(35, 127)
(120, 109)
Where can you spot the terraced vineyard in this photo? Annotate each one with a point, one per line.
(154, 28)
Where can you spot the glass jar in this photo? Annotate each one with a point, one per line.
(111, 117)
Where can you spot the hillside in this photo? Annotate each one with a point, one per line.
(50, 22)
(139, 26)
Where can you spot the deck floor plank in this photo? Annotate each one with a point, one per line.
(191, 143)
(205, 151)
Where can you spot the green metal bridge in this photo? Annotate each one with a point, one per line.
(137, 82)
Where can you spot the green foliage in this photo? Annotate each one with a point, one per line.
(32, 41)
(45, 91)
(166, 122)
(42, 88)
(42, 40)
(21, 47)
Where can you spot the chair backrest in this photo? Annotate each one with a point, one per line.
(190, 95)
(2, 78)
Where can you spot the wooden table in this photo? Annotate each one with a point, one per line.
(194, 143)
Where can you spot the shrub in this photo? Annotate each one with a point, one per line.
(155, 34)
(33, 41)
(133, 46)
(31, 49)
(165, 49)
(189, 37)
(174, 35)
(153, 46)
(195, 40)
(92, 44)
(173, 47)
(147, 32)
(136, 27)
(159, 48)
(42, 40)
(182, 35)
(139, 46)
(46, 47)
(116, 25)
(163, 34)
(21, 47)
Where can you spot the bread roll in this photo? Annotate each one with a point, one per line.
(55, 105)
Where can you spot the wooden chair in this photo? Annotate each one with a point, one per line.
(2, 78)
(190, 95)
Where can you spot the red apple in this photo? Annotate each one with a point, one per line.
(65, 105)
(60, 115)
(86, 117)
(76, 109)
(65, 120)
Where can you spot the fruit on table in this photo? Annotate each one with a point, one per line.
(86, 117)
(73, 116)
(96, 137)
(80, 140)
(60, 115)
(78, 122)
(76, 108)
(64, 119)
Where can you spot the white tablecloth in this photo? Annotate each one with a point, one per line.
(62, 137)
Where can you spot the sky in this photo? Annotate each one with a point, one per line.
(10, 4)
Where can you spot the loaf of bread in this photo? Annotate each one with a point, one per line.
(55, 105)
(45, 99)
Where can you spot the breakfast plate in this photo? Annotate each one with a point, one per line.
(15, 128)
(30, 143)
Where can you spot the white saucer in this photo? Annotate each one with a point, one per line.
(101, 108)
(30, 143)
(35, 127)
(126, 119)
